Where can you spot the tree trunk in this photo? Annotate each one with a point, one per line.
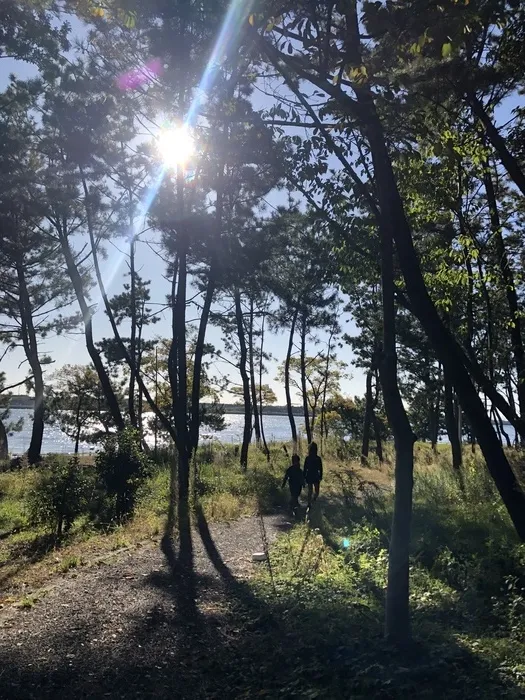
(304, 390)
(434, 419)
(31, 351)
(367, 421)
(397, 619)
(181, 409)
(103, 376)
(509, 162)
(510, 287)
(377, 433)
(197, 365)
(287, 392)
(4, 444)
(253, 386)
(452, 427)
(325, 386)
(133, 333)
(266, 450)
(502, 434)
(78, 424)
(245, 382)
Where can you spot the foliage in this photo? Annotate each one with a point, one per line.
(122, 468)
(75, 400)
(345, 418)
(60, 494)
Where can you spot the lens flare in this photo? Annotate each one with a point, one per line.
(137, 77)
(175, 146)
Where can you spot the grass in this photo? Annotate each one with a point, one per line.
(328, 582)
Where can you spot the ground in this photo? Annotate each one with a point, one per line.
(114, 613)
(117, 628)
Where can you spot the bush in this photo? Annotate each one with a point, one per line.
(60, 494)
(122, 468)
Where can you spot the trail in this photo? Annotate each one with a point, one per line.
(122, 630)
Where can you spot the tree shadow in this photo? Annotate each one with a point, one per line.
(211, 635)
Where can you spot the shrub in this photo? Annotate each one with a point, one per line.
(122, 468)
(60, 494)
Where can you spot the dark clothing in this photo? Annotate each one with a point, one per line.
(294, 476)
(313, 469)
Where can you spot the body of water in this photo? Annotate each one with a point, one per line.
(276, 428)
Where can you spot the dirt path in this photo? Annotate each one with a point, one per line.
(122, 629)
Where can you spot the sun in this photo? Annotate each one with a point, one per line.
(175, 146)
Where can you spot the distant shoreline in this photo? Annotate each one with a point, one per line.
(21, 401)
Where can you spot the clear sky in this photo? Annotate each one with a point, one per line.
(70, 349)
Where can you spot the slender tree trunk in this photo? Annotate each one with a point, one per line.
(368, 420)
(434, 418)
(304, 390)
(4, 444)
(245, 382)
(31, 350)
(494, 418)
(133, 333)
(508, 386)
(181, 409)
(490, 323)
(397, 620)
(452, 427)
(287, 392)
(377, 433)
(103, 376)
(266, 450)
(503, 435)
(78, 424)
(197, 365)
(507, 277)
(253, 386)
(325, 385)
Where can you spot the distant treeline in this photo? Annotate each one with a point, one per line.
(22, 401)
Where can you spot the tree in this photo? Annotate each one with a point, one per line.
(32, 287)
(304, 287)
(6, 428)
(322, 380)
(75, 400)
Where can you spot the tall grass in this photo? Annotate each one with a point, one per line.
(467, 582)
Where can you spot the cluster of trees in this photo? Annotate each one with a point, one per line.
(396, 132)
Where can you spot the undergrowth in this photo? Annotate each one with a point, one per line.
(328, 581)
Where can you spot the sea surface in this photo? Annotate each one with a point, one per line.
(276, 428)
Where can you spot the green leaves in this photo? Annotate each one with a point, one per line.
(446, 50)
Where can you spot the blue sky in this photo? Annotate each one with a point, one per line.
(70, 349)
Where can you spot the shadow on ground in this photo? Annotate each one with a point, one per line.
(212, 635)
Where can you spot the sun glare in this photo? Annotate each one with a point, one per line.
(175, 146)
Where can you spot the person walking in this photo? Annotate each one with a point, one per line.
(295, 479)
(313, 472)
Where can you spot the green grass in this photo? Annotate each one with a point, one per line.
(13, 488)
(327, 582)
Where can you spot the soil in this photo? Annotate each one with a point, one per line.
(128, 628)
